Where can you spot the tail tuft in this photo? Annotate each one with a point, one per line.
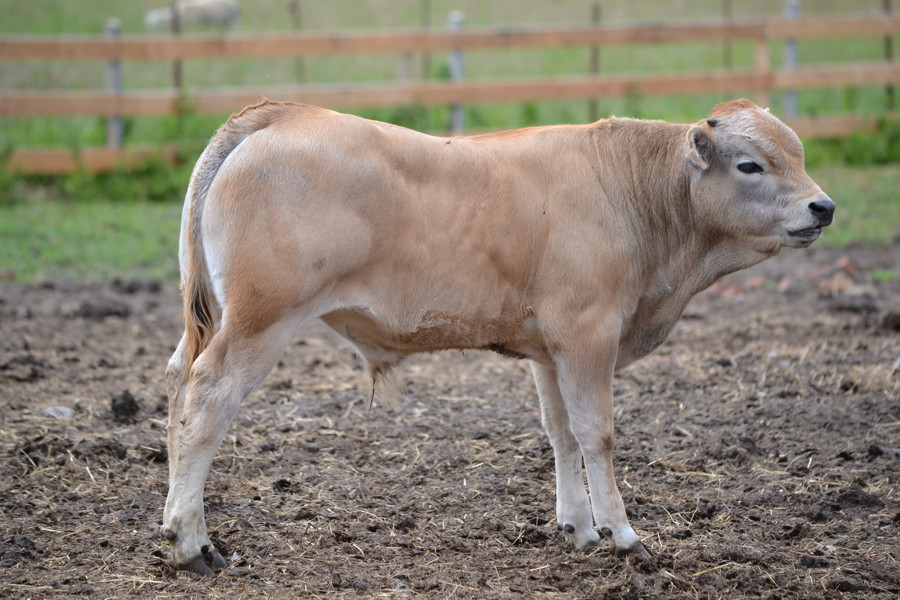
(198, 319)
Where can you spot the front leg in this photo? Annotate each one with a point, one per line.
(573, 508)
(585, 366)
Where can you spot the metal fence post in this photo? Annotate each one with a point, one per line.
(888, 56)
(297, 21)
(425, 24)
(727, 16)
(454, 24)
(177, 79)
(791, 11)
(423, 112)
(761, 61)
(115, 131)
(594, 62)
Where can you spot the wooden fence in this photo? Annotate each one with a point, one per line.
(761, 80)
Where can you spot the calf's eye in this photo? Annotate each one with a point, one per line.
(749, 167)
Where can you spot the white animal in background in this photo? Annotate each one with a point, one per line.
(219, 13)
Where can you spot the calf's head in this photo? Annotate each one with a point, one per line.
(748, 181)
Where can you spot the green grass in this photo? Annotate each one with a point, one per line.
(52, 240)
(885, 275)
(868, 209)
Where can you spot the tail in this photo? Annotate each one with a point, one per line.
(200, 306)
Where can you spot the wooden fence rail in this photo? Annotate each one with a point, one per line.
(142, 47)
(168, 102)
(761, 79)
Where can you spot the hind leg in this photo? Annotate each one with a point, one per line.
(177, 372)
(176, 382)
(231, 367)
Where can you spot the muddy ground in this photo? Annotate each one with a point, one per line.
(756, 452)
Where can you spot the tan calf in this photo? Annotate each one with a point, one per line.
(576, 247)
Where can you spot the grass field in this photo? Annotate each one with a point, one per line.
(89, 241)
(125, 225)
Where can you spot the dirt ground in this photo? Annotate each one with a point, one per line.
(757, 452)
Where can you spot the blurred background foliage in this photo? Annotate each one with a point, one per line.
(125, 223)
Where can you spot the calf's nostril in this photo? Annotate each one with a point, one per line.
(818, 208)
(823, 209)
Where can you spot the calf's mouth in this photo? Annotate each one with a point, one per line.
(810, 233)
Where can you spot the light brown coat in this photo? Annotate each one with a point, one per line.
(576, 247)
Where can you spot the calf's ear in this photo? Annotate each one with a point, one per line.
(700, 148)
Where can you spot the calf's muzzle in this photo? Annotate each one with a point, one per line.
(823, 210)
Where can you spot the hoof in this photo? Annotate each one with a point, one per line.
(213, 556)
(198, 566)
(581, 540)
(637, 549)
(206, 564)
